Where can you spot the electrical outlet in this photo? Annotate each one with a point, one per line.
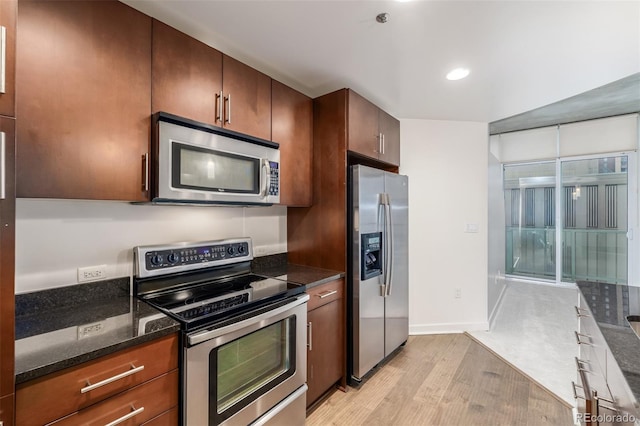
(458, 293)
(89, 330)
(92, 273)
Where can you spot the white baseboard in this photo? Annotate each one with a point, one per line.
(447, 328)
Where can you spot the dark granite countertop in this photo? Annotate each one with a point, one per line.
(278, 267)
(50, 325)
(610, 305)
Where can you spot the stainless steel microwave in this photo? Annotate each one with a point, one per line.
(195, 163)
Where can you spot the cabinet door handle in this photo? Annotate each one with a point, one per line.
(310, 335)
(227, 118)
(128, 373)
(580, 342)
(126, 417)
(3, 165)
(383, 147)
(580, 312)
(219, 97)
(3, 58)
(327, 294)
(379, 143)
(145, 160)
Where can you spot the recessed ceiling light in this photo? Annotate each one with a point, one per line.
(458, 74)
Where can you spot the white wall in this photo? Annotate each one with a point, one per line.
(446, 162)
(55, 237)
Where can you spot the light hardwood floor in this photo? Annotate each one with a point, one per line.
(444, 380)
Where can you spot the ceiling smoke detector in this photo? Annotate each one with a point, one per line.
(382, 18)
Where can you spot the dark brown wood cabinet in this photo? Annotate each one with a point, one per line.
(317, 235)
(186, 77)
(326, 339)
(8, 74)
(83, 82)
(246, 101)
(7, 270)
(193, 80)
(292, 128)
(372, 132)
(390, 131)
(58, 395)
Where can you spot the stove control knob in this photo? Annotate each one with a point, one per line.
(156, 260)
(241, 249)
(231, 250)
(173, 258)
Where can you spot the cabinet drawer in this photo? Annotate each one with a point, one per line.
(51, 397)
(325, 293)
(133, 407)
(168, 418)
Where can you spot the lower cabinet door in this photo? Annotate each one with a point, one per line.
(325, 354)
(135, 406)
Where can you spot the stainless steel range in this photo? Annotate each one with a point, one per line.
(244, 335)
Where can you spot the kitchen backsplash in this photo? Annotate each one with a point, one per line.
(56, 237)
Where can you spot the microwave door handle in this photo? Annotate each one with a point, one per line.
(266, 183)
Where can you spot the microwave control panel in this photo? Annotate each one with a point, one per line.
(274, 173)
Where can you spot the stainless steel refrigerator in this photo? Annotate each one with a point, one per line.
(378, 293)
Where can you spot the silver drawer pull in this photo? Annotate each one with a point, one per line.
(327, 294)
(126, 416)
(310, 336)
(580, 342)
(3, 164)
(91, 387)
(3, 59)
(581, 312)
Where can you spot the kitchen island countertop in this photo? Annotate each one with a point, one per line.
(610, 304)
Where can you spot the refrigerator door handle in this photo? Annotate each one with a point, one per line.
(390, 254)
(382, 215)
(388, 244)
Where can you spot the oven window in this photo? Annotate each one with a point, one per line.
(210, 170)
(249, 367)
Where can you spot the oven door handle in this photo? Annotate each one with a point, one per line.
(205, 335)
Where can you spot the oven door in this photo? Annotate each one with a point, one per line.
(236, 373)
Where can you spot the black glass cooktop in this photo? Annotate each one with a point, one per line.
(206, 302)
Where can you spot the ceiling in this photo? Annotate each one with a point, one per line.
(522, 54)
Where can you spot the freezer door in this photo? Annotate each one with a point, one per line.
(397, 300)
(367, 304)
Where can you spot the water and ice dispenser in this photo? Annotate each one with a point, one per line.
(370, 255)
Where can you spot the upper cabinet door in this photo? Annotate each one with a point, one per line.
(247, 99)
(7, 266)
(8, 43)
(84, 107)
(292, 128)
(364, 135)
(390, 131)
(186, 76)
